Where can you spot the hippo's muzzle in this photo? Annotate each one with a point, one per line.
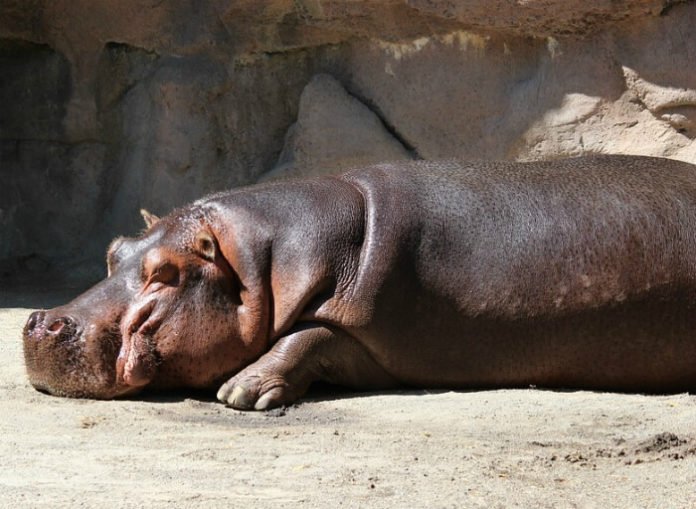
(61, 360)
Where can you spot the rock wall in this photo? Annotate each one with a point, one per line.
(112, 106)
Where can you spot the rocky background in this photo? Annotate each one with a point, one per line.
(110, 106)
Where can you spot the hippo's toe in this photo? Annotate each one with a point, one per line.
(239, 397)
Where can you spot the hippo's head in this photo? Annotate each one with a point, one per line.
(169, 314)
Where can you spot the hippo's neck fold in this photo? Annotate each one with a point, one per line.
(294, 257)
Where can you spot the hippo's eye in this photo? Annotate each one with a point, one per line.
(166, 273)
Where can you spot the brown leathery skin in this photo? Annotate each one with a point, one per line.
(579, 273)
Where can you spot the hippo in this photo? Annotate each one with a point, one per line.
(576, 273)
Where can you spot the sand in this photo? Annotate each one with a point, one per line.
(503, 448)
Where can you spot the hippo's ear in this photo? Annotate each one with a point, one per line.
(206, 245)
(150, 218)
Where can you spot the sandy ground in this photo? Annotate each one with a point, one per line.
(507, 448)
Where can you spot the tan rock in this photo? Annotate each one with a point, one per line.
(334, 131)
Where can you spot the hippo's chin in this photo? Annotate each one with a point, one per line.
(71, 391)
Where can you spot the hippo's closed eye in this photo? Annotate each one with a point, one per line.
(166, 273)
(160, 267)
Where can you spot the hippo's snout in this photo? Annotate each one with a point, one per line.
(62, 359)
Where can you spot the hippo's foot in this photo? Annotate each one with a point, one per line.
(306, 355)
(268, 383)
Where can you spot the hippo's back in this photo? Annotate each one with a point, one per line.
(512, 238)
(525, 257)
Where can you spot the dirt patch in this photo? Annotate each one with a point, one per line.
(507, 448)
(662, 446)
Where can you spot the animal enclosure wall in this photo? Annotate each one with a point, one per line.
(109, 107)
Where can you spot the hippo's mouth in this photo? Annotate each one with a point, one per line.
(137, 359)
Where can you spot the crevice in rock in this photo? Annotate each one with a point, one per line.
(122, 67)
(669, 4)
(388, 126)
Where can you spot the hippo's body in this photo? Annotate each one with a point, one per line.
(577, 273)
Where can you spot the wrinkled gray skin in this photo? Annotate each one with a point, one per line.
(578, 273)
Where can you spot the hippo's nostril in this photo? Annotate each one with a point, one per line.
(34, 320)
(56, 326)
(59, 324)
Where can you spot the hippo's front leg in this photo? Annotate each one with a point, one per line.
(308, 354)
